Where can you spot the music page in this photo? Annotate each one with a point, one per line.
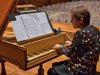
(36, 24)
(19, 29)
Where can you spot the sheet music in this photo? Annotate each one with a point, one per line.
(31, 25)
(19, 29)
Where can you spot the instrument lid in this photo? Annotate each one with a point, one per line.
(6, 8)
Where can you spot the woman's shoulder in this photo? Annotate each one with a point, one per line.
(89, 29)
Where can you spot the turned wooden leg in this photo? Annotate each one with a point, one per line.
(40, 70)
(3, 71)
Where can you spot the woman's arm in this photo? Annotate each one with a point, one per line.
(71, 51)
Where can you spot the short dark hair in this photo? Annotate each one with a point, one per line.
(81, 12)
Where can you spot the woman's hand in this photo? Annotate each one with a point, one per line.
(68, 43)
(57, 48)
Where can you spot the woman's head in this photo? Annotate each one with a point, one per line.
(80, 17)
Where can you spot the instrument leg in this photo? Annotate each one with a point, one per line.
(40, 70)
(3, 71)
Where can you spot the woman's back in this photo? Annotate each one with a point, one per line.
(87, 50)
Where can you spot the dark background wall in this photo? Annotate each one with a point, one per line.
(42, 2)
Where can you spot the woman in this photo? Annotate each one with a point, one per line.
(83, 51)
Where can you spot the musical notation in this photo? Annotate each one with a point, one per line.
(31, 25)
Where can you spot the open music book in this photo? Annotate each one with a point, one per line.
(29, 25)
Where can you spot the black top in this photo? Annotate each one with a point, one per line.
(84, 51)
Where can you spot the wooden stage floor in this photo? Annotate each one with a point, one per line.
(14, 70)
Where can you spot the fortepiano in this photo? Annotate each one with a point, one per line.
(29, 53)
